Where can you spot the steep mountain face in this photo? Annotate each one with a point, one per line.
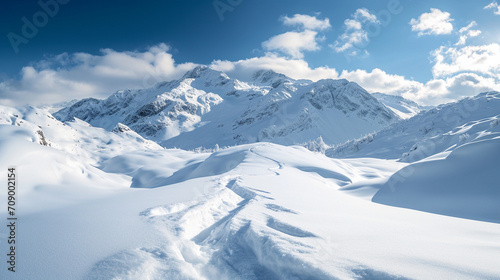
(401, 106)
(206, 107)
(157, 113)
(441, 129)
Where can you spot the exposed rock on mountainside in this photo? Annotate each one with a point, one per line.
(206, 107)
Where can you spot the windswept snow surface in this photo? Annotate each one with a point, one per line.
(465, 184)
(98, 204)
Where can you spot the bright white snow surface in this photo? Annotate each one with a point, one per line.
(111, 205)
(441, 129)
(402, 107)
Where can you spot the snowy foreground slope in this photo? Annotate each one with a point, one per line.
(464, 184)
(95, 204)
(206, 107)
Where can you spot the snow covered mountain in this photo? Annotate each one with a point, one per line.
(206, 107)
(401, 106)
(385, 207)
(437, 130)
(112, 205)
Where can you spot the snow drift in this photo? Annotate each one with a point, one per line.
(465, 184)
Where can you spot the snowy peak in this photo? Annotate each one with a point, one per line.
(203, 72)
(347, 97)
(403, 107)
(85, 109)
(206, 77)
(489, 95)
(292, 113)
(270, 77)
(120, 128)
(274, 108)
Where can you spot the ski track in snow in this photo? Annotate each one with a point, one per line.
(280, 165)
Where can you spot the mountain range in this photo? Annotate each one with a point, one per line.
(379, 187)
(206, 107)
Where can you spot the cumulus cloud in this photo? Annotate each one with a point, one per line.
(74, 76)
(355, 36)
(494, 5)
(306, 22)
(457, 71)
(438, 91)
(379, 81)
(434, 23)
(294, 68)
(460, 72)
(81, 75)
(293, 43)
(433, 92)
(466, 33)
(364, 15)
(481, 59)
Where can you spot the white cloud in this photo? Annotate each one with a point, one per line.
(433, 92)
(438, 91)
(355, 36)
(294, 68)
(474, 33)
(434, 23)
(466, 33)
(65, 77)
(458, 72)
(307, 22)
(379, 81)
(293, 43)
(468, 27)
(364, 15)
(494, 5)
(461, 40)
(352, 24)
(479, 59)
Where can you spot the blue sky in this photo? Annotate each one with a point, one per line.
(428, 51)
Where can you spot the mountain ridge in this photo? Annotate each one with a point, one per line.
(272, 107)
(437, 130)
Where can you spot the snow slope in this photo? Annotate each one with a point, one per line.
(256, 211)
(464, 184)
(58, 161)
(76, 137)
(401, 106)
(206, 107)
(437, 130)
